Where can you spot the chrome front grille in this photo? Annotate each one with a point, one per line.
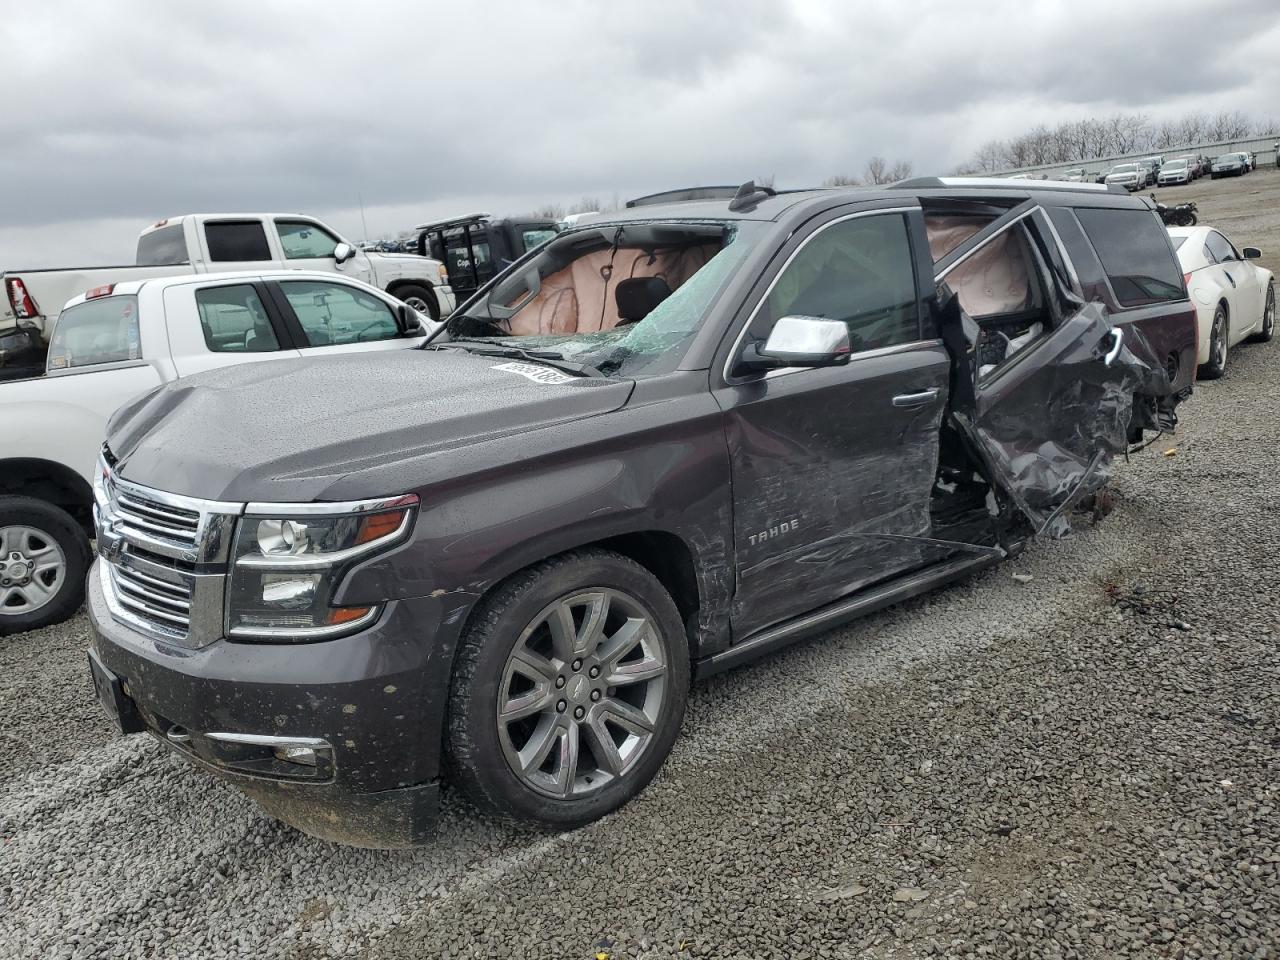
(149, 517)
(148, 596)
(164, 558)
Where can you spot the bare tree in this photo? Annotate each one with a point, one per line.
(549, 211)
(586, 205)
(1232, 125)
(766, 181)
(991, 156)
(876, 171)
(842, 180)
(900, 170)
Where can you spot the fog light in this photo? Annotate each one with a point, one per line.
(303, 755)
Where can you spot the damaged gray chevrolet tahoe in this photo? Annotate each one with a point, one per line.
(658, 445)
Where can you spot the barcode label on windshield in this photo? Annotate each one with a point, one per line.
(535, 373)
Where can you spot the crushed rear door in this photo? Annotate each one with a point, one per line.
(1046, 422)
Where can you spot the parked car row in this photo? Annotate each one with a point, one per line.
(216, 243)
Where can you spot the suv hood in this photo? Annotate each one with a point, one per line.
(286, 430)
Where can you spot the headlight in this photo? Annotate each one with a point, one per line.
(288, 561)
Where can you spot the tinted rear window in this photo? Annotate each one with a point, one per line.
(96, 331)
(1134, 249)
(163, 247)
(236, 242)
(1177, 242)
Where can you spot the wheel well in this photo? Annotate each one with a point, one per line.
(669, 559)
(51, 482)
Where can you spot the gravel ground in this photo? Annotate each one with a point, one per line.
(1083, 764)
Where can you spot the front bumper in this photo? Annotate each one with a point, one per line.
(374, 699)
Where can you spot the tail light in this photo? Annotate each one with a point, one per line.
(24, 308)
(1186, 280)
(103, 291)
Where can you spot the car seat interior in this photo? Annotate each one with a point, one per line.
(583, 282)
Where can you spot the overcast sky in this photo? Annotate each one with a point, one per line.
(117, 114)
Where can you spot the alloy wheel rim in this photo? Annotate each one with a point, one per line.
(1219, 357)
(419, 305)
(582, 693)
(32, 569)
(1269, 314)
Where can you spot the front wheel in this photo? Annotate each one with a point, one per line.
(1268, 328)
(570, 686)
(44, 556)
(420, 298)
(1217, 364)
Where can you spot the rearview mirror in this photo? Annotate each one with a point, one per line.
(1251, 253)
(801, 342)
(343, 252)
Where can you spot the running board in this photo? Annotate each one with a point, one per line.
(876, 598)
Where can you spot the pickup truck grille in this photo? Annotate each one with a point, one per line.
(163, 558)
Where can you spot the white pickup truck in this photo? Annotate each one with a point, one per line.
(120, 341)
(215, 243)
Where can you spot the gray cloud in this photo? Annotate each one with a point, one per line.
(127, 112)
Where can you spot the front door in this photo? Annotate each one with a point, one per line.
(308, 246)
(832, 467)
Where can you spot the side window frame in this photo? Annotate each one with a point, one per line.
(208, 252)
(294, 325)
(284, 253)
(285, 339)
(783, 259)
(1038, 233)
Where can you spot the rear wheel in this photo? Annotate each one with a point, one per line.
(1268, 328)
(569, 690)
(44, 556)
(1217, 364)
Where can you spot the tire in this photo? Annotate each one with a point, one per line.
(508, 630)
(1219, 336)
(1192, 219)
(35, 532)
(1268, 330)
(421, 298)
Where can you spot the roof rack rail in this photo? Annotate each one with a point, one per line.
(986, 183)
(684, 193)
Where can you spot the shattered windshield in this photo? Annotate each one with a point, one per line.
(615, 300)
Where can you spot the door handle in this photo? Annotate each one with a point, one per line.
(917, 399)
(1117, 336)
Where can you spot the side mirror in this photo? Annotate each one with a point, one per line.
(410, 321)
(343, 252)
(801, 342)
(1251, 253)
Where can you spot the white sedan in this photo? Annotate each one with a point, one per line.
(1234, 299)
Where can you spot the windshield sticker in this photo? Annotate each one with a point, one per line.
(535, 373)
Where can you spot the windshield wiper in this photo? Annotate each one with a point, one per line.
(544, 357)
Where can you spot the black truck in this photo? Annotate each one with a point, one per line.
(657, 445)
(476, 247)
